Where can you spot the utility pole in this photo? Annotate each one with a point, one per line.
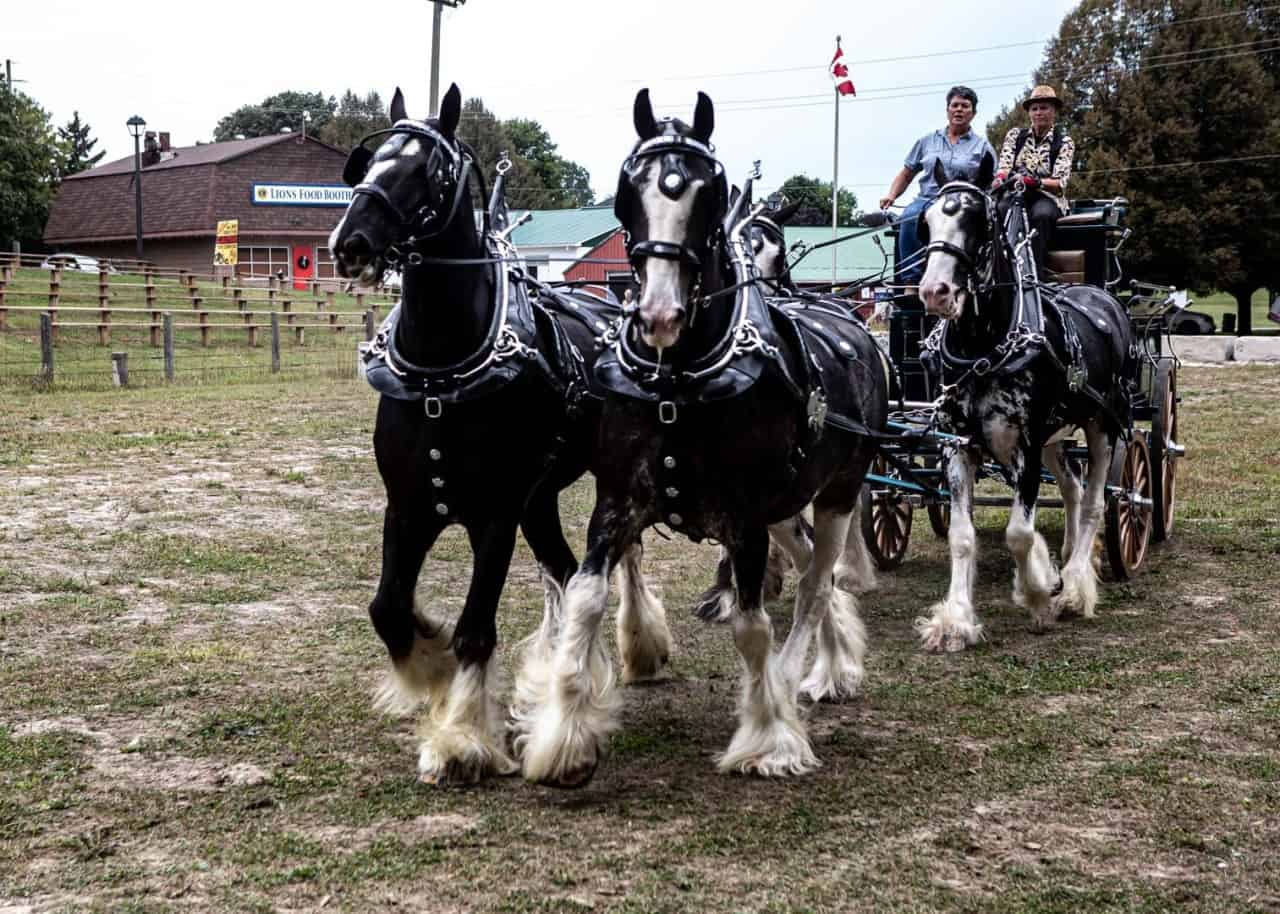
(436, 15)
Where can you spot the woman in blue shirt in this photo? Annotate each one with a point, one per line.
(959, 149)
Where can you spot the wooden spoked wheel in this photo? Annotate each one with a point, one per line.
(1129, 513)
(1164, 438)
(940, 512)
(886, 519)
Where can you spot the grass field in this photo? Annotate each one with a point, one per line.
(81, 361)
(1218, 304)
(186, 667)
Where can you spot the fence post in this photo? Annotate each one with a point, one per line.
(368, 324)
(120, 369)
(275, 342)
(46, 347)
(168, 346)
(150, 286)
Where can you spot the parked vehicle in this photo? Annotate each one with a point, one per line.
(81, 263)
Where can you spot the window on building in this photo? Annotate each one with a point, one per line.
(620, 282)
(325, 267)
(263, 261)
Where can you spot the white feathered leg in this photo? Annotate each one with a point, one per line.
(644, 641)
(1035, 578)
(1072, 495)
(770, 739)
(952, 624)
(568, 704)
(1079, 576)
(462, 736)
(856, 572)
(424, 676)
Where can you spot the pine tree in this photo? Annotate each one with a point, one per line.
(78, 152)
(355, 119)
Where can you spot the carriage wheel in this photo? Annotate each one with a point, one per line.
(1164, 435)
(1129, 514)
(939, 512)
(886, 521)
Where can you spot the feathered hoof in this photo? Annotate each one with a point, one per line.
(1078, 595)
(821, 686)
(779, 750)
(463, 771)
(946, 636)
(573, 778)
(715, 605)
(850, 581)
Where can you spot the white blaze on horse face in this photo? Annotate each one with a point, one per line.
(767, 254)
(942, 288)
(664, 284)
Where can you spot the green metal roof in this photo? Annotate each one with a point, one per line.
(567, 227)
(855, 258)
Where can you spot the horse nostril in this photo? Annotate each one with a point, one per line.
(357, 245)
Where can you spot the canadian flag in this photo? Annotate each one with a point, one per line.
(840, 73)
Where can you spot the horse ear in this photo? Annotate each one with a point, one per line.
(397, 106)
(642, 116)
(784, 214)
(450, 110)
(704, 118)
(986, 170)
(939, 173)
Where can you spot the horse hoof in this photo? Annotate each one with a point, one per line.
(454, 773)
(574, 778)
(714, 606)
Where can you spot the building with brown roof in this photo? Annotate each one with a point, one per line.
(286, 191)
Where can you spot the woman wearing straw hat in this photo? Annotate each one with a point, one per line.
(1040, 156)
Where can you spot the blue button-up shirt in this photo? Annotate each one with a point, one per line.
(960, 160)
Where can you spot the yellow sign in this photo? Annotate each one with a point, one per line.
(226, 248)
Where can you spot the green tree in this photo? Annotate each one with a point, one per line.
(539, 177)
(814, 197)
(1147, 90)
(563, 183)
(355, 118)
(78, 153)
(275, 112)
(30, 157)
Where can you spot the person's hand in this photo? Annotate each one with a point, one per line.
(1031, 182)
(886, 201)
(1000, 178)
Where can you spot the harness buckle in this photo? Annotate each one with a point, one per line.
(1076, 378)
(434, 408)
(667, 412)
(817, 410)
(982, 366)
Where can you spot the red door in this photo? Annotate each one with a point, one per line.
(304, 267)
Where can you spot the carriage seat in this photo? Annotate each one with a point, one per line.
(1090, 217)
(1065, 266)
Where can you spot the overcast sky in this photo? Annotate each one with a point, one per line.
(573, 65)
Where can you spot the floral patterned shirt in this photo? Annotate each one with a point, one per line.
(1034, 157)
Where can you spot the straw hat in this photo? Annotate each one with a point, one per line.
(1043, 94)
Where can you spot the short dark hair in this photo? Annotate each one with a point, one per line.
(963, 92)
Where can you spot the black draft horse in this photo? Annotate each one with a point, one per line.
(483, 419)
(725, 418)
(1025, 363)
(855, 571)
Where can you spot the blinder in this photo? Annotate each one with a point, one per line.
(445, 165)
(672, 181)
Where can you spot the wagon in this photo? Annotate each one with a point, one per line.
(910, 473)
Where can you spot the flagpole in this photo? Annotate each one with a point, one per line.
(835, 180)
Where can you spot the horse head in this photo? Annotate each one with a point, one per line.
(768, 243)
(406, 191)
(956, 228)
(671, 198)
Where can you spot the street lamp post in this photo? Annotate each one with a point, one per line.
(435, 50)
(136, 126)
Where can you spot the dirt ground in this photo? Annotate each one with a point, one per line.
(186, 667)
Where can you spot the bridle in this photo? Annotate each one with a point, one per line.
(449, 166)
(672, 184)
(979, 269)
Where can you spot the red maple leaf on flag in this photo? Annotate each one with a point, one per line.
(840, 73)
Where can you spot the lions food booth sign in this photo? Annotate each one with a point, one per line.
(285, 193)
